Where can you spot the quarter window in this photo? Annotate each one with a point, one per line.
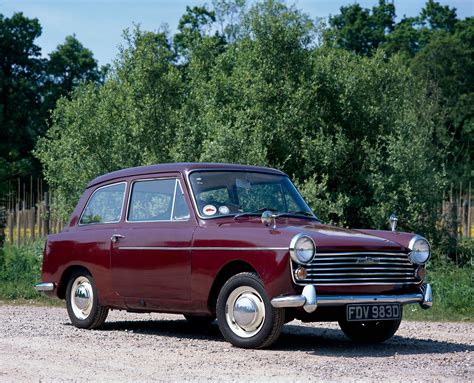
(105, 205)
(157, 200)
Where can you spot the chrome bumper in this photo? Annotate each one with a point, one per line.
(309, 300)
(45, 286)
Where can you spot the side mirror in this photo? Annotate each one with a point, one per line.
(268, 218)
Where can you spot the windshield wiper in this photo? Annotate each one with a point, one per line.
(300, 212)
(254, 212)
(287, 214)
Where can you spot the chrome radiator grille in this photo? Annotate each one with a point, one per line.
(366, 268)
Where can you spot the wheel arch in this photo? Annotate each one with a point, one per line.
(227, 271)
(66, 275)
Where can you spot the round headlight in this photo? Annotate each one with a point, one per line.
(302, 249)
(420, 250)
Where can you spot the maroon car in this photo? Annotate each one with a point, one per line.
(234, 242)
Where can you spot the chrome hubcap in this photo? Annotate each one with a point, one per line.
(82, 297)
(245, 311)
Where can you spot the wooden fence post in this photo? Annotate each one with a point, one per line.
(11, 224)
(18, 225)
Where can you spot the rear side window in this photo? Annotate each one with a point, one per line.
(105, 205)
(157, 200)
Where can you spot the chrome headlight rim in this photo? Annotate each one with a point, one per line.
(293, 249)
(411, 246)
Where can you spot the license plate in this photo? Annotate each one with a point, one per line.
(373, 312)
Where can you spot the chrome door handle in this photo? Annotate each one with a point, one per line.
(116, 237)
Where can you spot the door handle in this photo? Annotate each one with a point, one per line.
(116, 237)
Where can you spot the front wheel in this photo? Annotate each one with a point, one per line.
(370, 332)
(245, 315)
(82, 302)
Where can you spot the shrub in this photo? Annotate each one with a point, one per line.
(20, 269)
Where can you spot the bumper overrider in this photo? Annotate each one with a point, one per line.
(309, 300)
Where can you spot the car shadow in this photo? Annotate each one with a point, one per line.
(333, 342)
(313, 340)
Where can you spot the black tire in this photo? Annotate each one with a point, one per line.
(199, 321)
(370, 332)
(257, 329)
(84, 311)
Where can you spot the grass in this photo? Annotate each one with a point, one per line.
(453, 293)
(453, 287)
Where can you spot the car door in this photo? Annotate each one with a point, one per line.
(99, 221)
(151, 255)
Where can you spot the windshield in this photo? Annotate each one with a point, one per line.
(220, 193)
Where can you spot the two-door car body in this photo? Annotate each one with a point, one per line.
(233, 242)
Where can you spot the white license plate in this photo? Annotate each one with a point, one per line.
(373, 312)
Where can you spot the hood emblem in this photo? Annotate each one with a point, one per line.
(368, 260)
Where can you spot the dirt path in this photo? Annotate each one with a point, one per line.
(38, 343)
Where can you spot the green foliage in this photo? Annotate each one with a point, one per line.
(68, 66)
(360, 30)
(439, 48)
(453, 289)
(20, 72)
(20, 270)
(354, 132)
(29, 88)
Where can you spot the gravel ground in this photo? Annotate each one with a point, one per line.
(39, 343)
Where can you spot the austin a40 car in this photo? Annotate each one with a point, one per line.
(236, 243)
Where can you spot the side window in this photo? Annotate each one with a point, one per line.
(180, 211)
(157, 200)
(105, 205)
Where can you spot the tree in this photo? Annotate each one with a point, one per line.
(29, 89)
(439, 48)
(69, 65)
(359, 30)
(20, 72)
(193, 27)
(129, 121)
(354, 132)
(447, 60)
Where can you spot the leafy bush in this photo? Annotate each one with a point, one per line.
(453, 289)
(355, 133)
(20, 270)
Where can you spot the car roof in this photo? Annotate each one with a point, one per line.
(181, 167)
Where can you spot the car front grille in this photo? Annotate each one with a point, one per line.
(364, 268)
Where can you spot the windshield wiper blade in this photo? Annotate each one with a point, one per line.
(286, 214)
(302, 212)
(254, 212)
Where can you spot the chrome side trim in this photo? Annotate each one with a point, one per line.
(203, 248)
(361, 252)
(44, 286)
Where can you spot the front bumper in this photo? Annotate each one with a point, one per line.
(309, 300)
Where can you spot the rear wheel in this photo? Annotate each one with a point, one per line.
(245, 315)
(370, 332)
(82, 302)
